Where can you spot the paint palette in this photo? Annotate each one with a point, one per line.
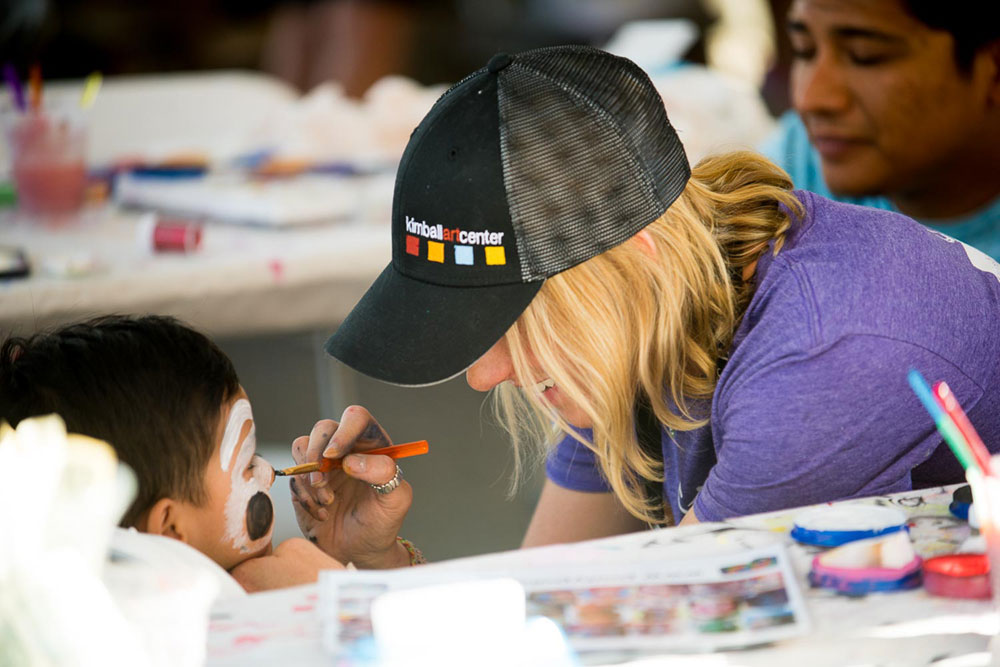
(878, 564)
(833, 526)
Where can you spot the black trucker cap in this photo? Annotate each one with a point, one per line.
(527, 167)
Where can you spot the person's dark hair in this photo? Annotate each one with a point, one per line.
(972, 29)
(150, 386)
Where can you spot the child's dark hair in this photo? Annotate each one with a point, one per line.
(150, 386)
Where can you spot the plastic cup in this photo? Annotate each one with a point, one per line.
(47, 150)
(986, 499)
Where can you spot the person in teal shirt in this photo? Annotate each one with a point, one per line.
(897, 106)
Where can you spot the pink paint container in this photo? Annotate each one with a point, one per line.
(958, 576)
(158, 234)
(861, 581)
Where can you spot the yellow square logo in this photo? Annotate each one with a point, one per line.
(495, 255)
(435, 251)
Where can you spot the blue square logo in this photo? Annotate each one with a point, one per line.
(463, 254)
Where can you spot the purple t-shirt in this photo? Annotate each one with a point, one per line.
(813, 404)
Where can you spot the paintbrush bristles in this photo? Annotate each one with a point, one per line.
(305, 467)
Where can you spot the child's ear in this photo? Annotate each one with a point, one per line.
(164, 518)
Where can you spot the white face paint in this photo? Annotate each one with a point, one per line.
(239, 414)
(243, 489)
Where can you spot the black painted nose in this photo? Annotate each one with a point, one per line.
(260, 514)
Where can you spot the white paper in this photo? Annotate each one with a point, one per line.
(701, 604)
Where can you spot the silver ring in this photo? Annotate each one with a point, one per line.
(391, 485)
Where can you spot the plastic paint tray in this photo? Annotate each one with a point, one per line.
(833, 526)
(861, 581)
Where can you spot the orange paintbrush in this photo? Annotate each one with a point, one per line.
(325, 465)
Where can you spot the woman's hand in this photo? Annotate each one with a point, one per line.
(340, 511)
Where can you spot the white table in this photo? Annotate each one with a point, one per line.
(901, 628)
(243, 281)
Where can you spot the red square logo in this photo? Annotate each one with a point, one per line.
(412, 245)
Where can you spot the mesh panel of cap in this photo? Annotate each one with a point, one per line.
(589, 157)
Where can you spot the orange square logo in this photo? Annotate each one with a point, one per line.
(495, 255)
(435, 252)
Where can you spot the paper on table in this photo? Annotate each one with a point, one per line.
(274, 627)
(722, 601)
(300, 200)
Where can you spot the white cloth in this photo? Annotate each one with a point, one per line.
(165, 555)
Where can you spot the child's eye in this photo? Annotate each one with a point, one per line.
(259, 468)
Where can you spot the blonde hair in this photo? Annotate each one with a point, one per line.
(629, 324)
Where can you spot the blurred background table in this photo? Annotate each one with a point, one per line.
(242, 281)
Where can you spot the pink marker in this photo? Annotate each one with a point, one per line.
(949, 403)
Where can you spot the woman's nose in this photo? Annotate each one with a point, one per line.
(491, 369)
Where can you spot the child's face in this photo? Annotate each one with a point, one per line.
(237, 519)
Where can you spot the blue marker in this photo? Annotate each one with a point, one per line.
(944, 423)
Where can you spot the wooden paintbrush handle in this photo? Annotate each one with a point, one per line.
(326, 465)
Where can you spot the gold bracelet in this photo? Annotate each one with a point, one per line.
(416, 556)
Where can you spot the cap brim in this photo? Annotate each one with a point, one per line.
(410, 332)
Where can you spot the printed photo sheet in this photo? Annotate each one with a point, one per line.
(716, 602)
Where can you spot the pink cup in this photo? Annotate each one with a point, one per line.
(986, 501)
(47, 151)
(986, 497)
